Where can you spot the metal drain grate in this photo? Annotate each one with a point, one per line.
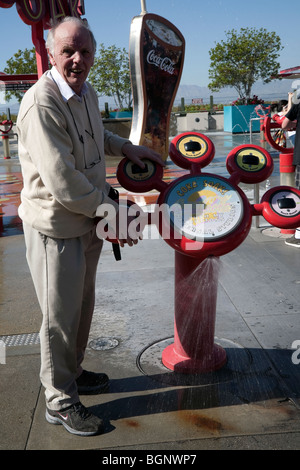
(28, 339)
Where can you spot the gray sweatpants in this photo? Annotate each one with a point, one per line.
(64, 273)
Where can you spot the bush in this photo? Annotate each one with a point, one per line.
(192, 108)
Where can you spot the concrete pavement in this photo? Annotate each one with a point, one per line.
(251, 403)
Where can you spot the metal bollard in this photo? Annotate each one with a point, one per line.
(5, 141)
(287, 169)
(5, 137)
(287, 178)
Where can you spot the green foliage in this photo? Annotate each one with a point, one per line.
(110, 75)
(246, 101)
(22, 62)
(3, 117)
(245, 57)
(192, 108)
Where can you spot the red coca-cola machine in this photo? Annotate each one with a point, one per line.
(203, 216)
(156, 53)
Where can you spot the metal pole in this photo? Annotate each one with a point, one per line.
(144, 9)
(5, 141)
(256, 201)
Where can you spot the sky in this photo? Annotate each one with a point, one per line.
(202, 23)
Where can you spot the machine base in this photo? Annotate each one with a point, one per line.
(186, 365)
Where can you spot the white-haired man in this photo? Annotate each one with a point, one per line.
(62, 146)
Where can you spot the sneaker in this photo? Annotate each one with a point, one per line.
(90, 383)
(76, 419)
(293, 241)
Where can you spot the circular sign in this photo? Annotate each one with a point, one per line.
(282, 207)
(136, 173)
(204, 207)
(163, 32)
(191, 148)
(285, 203)
(252, 163)
(134, 178)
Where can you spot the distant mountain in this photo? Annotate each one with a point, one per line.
(275, 90)
(13, 107)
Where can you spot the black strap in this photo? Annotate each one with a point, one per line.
(114, 194)
(117, 251)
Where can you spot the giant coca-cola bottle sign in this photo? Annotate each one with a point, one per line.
(157, 54)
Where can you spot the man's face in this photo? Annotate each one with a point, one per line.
(73, 54)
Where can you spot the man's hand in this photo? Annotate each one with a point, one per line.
(125, 226)
(128, 236)
(136, 153)
(287, 124)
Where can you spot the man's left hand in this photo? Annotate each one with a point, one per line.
(136, 153)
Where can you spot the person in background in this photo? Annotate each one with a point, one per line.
(282, 107)
(62, 147)
(288, 123)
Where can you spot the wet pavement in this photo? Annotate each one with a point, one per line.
(253, 402)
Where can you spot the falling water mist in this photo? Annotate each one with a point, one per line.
(197, 295)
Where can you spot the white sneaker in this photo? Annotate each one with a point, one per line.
(293, 241)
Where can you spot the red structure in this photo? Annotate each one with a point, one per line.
(204, 216)
(38, 14)
(286, 167)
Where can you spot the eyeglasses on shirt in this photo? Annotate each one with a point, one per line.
(88, 135)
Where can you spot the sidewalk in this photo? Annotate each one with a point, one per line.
(252, 403)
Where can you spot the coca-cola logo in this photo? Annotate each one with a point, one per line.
(164, 63)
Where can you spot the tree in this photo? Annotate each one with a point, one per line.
(110, 75)
(22, 62)
(245, 57)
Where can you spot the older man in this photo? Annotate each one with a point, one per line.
(62, 146)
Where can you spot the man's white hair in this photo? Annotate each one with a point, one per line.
(68, 19)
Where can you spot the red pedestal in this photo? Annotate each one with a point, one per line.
(287, 177)
(194, 349)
